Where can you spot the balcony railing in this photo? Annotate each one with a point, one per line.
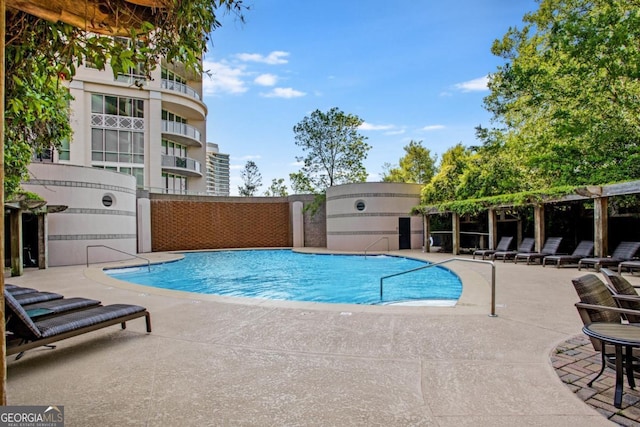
(117, 122)
(185, 163)
(181, 129)
(180, 87)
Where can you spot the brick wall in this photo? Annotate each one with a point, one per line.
(201, 222)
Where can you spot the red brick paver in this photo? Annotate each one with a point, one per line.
(576, 363)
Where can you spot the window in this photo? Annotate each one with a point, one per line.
(117, 106)
(173, 149)
(360, 205)
(174, 184)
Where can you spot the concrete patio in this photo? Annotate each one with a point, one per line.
(217, 361)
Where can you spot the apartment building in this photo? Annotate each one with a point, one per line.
(130, 135)
(217, 171)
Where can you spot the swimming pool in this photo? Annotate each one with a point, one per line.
(287, 275)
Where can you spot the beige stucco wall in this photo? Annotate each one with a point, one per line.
(86, 221)
(385, 203)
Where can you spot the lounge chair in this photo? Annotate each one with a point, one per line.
(629, 265)
(583, 250)
(598, 304)
(35, 297)
(17, 290)
(550, 247)
(525, 246)
(623, 252)
(27, 333)
(58, 306)
(503, 245)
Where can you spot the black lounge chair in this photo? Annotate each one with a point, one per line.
(503, 245)
(525, 246)
(629, 265)
(18, 290)
(35, 297)
(584, 249)
(623, 252)
(550, 247)
(58, 306)
(26, 333)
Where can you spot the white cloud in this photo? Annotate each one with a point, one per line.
(224, 78)
(395, 132)
(433, 127)
(371, 126)
(266, 80)
(283, 92)
(475, 85)
(273, 58)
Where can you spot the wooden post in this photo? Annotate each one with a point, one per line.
(455, 227)
(3, 371)
(426, 221)
(15, 222)
(600, 229)
(493, 228)
(43, 242)
(538, 226)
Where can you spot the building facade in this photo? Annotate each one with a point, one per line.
(217, 171)
(152, 129)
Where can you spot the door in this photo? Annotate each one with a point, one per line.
(404, 233)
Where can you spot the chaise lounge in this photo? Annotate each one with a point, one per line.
(583, 250)
(503, 245)
(550, 247)
(525, 246)
(27, 333)
(623, 252)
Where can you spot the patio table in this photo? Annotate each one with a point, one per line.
(618, 335)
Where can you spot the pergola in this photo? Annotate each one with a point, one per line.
(599, 195)
(108, 17)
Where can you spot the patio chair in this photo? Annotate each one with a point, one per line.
(624, 293)
(503, 245)
(35, 297)
(27, 333)
(623, 252)
(58, 306)
(18, 290)
(550, 247)
(598, 304)
(584, 249)
(525, 246)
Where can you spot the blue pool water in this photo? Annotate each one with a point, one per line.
(287, 275)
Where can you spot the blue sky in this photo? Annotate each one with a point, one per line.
(411, 70)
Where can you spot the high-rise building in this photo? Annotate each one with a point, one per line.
(217, 171)
(151, 129)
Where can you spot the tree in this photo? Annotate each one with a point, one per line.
(416, 166)
(42, 55)
(446, 183)
(252, 179)
(335, 151)
(567, 95)
(277, 188)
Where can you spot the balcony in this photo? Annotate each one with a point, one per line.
(181, 165)
(182, 133)
(180, 87)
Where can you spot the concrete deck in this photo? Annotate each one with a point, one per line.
(227, 362)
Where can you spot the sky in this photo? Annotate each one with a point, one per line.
(410, 70)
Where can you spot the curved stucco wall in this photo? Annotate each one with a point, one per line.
(86, 221)
(360, 214)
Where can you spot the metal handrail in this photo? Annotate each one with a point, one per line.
(118, 250)
(493, 277)
(384, 237)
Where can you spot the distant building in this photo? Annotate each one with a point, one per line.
(217, 171)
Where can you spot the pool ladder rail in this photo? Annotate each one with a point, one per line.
(435, 264)
(382, 238)
(118, 250)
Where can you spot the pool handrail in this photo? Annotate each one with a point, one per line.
(117, 250)
(435, 264)
(384, 237)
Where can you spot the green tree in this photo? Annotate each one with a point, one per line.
(416, 166)
(446, 183)
(41, 55)
(277, 188)
(567, 96)
(334, 149)
(251, 178)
